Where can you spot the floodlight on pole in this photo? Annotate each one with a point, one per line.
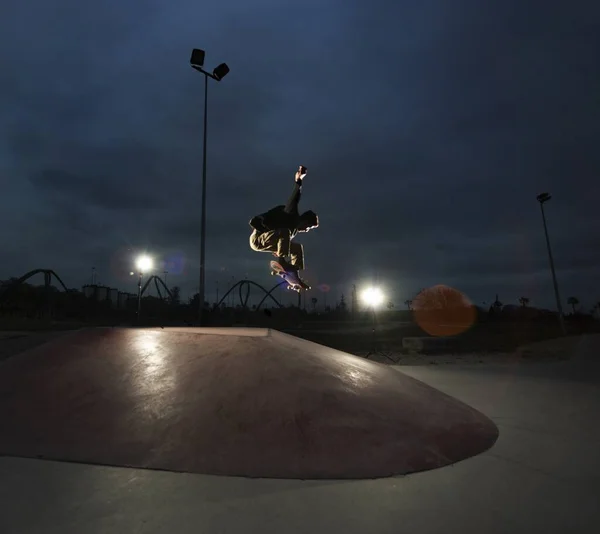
(144, 264)
(372, 297)
(543, 198)
(219, 72)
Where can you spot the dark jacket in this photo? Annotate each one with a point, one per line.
(280, 217)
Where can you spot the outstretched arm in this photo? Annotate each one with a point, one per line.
(294, 200)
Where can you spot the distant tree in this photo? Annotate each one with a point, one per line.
(408, 304)
(497, 305)
(573, 301)
(524, 301)
(314, 301)
(341, 306)
(176, 295)
(193, 301)
(390, 305)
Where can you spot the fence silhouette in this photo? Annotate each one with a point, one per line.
(49, 273)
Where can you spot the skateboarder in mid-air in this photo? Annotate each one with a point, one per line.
(274, 230)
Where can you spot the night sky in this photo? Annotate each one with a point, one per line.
(428, 129)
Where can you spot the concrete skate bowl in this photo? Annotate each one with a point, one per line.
(238, 402)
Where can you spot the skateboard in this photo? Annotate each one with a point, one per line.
(291, 279)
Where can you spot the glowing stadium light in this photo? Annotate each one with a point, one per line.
(372, 296)
(144, 264)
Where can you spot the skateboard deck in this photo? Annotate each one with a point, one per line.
(291, 279)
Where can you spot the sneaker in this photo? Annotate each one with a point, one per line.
(287, 266)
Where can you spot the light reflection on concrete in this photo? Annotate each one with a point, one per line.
(154, 371)
(356, 378)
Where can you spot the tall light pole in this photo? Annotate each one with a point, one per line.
(542, 198)
(197, 62)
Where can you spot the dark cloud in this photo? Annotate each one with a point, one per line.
(93, 190)
(428, 129)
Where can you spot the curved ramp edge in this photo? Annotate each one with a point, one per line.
(241, 405)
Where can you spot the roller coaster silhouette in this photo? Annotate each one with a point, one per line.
(49, 273)
(247, 284)
(156, 280)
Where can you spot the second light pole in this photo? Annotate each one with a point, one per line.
(197, 63)
(542, 198)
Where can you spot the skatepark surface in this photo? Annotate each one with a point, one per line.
(542, 473)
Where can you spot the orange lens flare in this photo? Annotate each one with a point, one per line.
(443, 311)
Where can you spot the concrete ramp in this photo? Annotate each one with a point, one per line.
(242, 402)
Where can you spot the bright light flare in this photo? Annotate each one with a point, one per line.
(372, 296)
(144, 263)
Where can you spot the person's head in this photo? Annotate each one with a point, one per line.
(308, 220)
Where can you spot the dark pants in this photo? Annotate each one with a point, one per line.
(280, 242)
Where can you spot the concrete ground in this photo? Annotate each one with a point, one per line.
(542, 474)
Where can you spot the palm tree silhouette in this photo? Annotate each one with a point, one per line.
(573, 301)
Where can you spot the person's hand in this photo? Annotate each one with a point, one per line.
(300, 173)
